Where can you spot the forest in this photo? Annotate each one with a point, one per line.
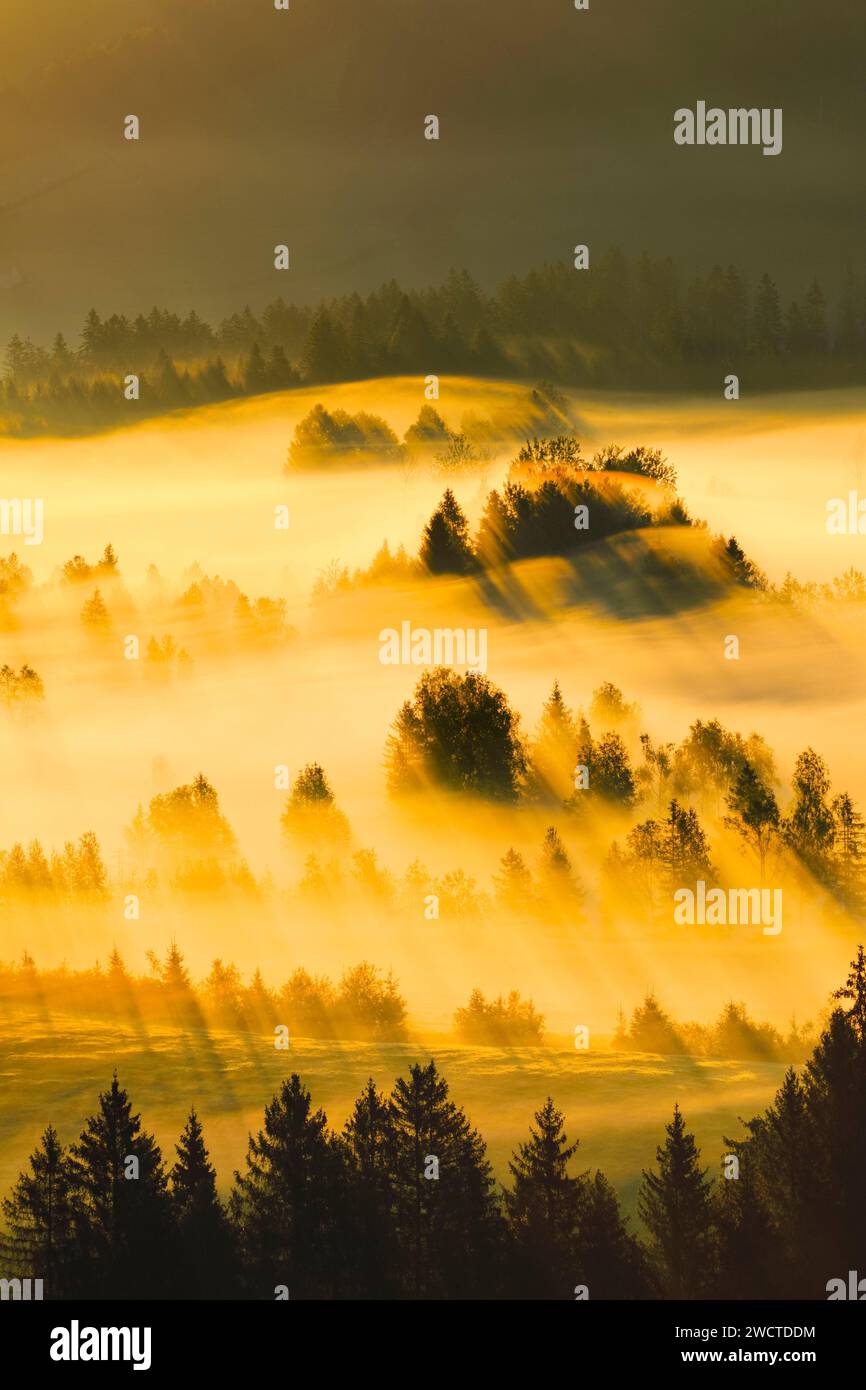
(401, 1203)
(639, 323)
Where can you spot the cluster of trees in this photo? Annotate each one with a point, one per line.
(402, 1203)
(499, 1022)
(621, 322)
(555, 503)
(733, 1035)
(327, 437)
(77, 874)
(335, 435)
(564, 511)
(364, 1005)
(20, 688)
(459, 733)
(226, 617)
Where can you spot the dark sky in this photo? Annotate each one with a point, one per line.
(306, 127)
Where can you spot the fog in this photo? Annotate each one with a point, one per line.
(201, 490)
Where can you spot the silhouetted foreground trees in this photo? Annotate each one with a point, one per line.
(626, 323)
(403, 1204)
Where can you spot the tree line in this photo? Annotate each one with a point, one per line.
(402, 1202)
(637, 322)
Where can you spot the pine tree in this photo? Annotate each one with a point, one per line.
(447, 1219)
(255, 373)
(674, 1205)
(849, 855)
(287, 1206)
(559, 882)
(95, 615)
(561, 743)
(748, 1257)
(513, 883)
(767, 325)
(543, 1210)
(686, 849)
(311, 812)
(205, 1247)
(368, 1140)
(854, 989)
(445, 547)
(126, 1216)
(780, 1155)
(808, 827)
(40, 1220)
(610, 1260)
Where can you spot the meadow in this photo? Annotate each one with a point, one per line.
(195, 495)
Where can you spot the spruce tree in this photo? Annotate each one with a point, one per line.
(447, 1218)
(120, 1186)
(288, 1205)
(560, 744)
(204, 1239)
(368, 1141)
(445, 547)
(543, 1210)
(674, 1205)
(749, 1257)
(610, 1260)
(40, 1220)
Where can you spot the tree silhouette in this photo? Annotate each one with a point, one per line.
(458, 733)
(311, 814)
(368, 1139)
(447, 1218)
(543, 1209)
(754, 813)
(674, 1205)
(40, 1220)
(445, 547)
(854, 989)
(120, 1186)
(204, 1238)
(808, 827)
(286, 1206)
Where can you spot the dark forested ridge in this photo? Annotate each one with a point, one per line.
(402, 1202)
(620, 323)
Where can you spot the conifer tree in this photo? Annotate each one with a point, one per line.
(445, 547)
(368, 1140)
(40, 1220)
(854, 989)
(610, 1260)
(204, 1239)
(513, 883)
(561, 742)
(749, 1260)
(674, 1205)
(447, 1219)
(543, 1210)
(120, 1186)
(754, 813)
(808, 827)
(287, 1206)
